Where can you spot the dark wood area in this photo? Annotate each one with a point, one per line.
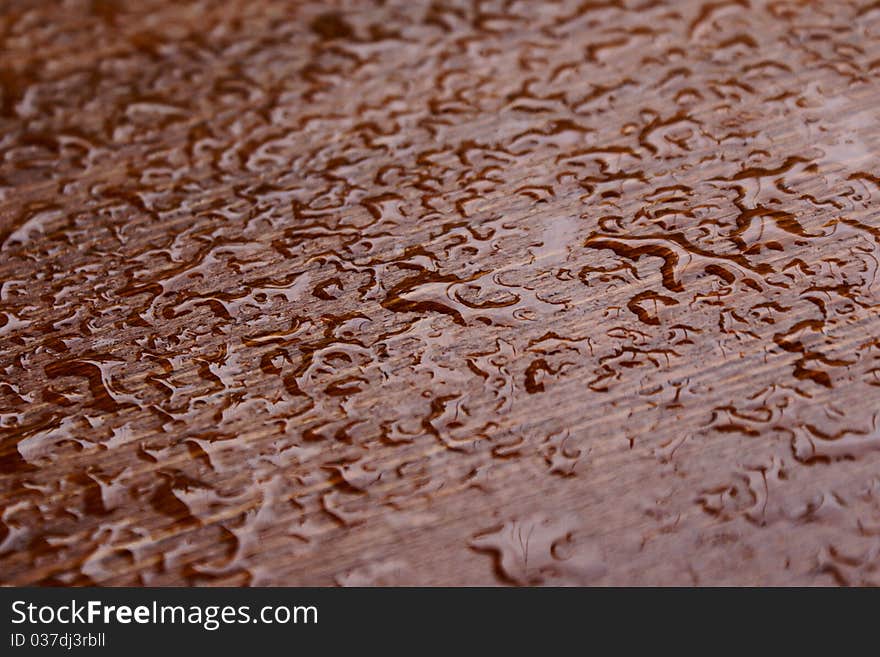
(444, 293)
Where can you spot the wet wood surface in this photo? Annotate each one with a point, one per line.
(462, 293)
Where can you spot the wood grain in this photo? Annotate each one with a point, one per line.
(441, 293)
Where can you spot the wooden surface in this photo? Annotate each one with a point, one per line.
(439, 293)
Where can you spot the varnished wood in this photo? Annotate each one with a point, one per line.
(447, 293)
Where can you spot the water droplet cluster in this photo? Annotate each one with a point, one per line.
(439, 292)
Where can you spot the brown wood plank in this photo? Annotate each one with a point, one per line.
(443, 293)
